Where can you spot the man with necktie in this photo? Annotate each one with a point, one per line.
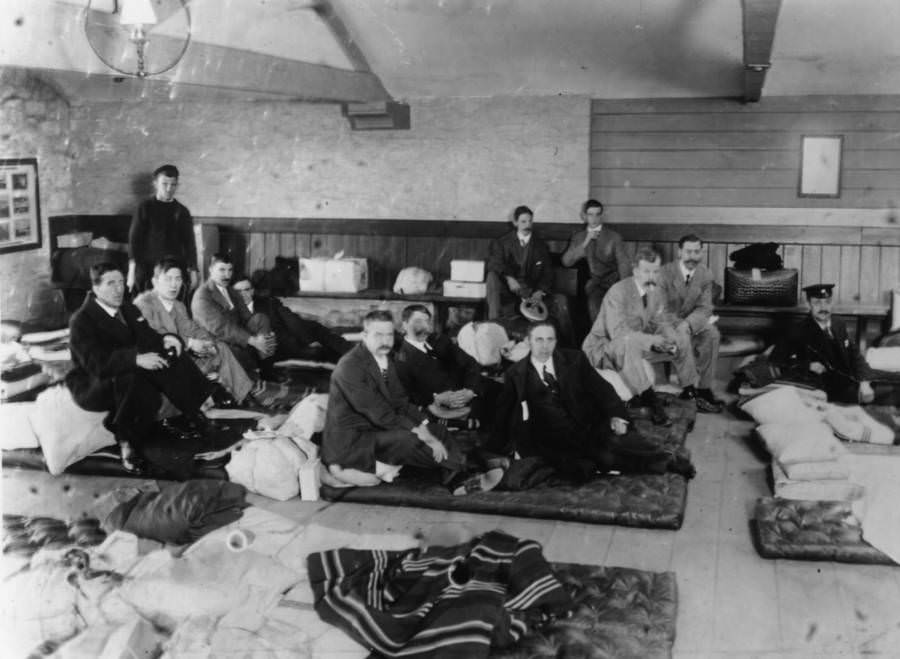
(687, 287)
(519, 268)
(371, 427)
(556, 406)
(820, 350)
(433, 369)
(633, 324)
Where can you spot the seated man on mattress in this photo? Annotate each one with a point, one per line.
(821, 353)
(371, 428)
(168, 315)
(123, 367)
(556, 406)
(436, 372)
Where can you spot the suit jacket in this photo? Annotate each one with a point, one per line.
(175, 322)
(808, 343)
(623, 314)
(583, 392)
(450, 369)
(530, 265)
(103, 347)
(607, 259)
(692, 302)
(212, 312)
(359, 401)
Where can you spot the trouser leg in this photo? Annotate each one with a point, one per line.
(232, 375)
(182, 383)
(706, 351)
(495, 288)
(683, 359)
(627, 356)
(402, 447)
(595, 293)
(558, 309)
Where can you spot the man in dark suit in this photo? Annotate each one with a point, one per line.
(687, 286)
(371, 426)
(556, 406)
(519, 268)
(122, 366)
(604, 251)
(293, 335)
(820, 350)
(433, 369)
(221, 311)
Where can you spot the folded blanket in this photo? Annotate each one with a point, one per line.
(884, 359)
(810, 441)
(182, 512)
(853, 424)
(817, 471)
(818, 490)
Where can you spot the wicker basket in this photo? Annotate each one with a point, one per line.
(777, 288)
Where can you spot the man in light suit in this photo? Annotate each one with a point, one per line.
(122, 366)
(632, 324)
(604, 251)
(370, 420)
(222, 312)
(687, 286)
(168, 315)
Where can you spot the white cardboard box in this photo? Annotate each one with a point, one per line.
(472, 289)
(312, 274)
(346, 275)
(466, 270)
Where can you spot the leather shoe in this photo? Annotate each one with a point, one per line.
(222, 399)
(703, 405)
(682, 465)
(131, 462)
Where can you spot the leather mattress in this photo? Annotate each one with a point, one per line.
(811, 531)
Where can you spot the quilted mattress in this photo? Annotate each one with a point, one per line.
(811, 530)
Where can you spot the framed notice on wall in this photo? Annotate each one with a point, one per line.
(20, 213)
(820, 166)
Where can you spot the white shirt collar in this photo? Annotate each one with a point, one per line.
(596, 229)
(523, 239)
(825, 327)
(224, 291)
(418, 345)
(249, 306)
(112, 311)
(167, 305)
(539, 367)
(641, 290)
(685, 272)
(382, 361)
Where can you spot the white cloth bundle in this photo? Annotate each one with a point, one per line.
(884, 359)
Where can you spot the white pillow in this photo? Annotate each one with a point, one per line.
(817, 471)
(801, 442)
(306, 418)
(781, 405)
(15, 426)
(268, 467)
(483, 341)
(66, 432)
(821, 490)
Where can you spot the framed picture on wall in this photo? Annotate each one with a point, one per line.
(820, 166)
(20, 212)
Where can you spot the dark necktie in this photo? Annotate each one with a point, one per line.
(644, 300)
(829, 333)
(551, 381)
(428, 350)
(384, 375)
(120, 317)
(687, 279)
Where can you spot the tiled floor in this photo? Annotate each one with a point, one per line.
(732, 602)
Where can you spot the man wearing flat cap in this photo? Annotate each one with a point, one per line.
(821, 350)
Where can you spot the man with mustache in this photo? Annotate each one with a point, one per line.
(222, 312)
(371, 426)
(604, 251)
(632, 324)
(820, 350)
(687, 286)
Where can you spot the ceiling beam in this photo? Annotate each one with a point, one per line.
(759, 19)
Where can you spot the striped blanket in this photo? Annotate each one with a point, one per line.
(439, 602)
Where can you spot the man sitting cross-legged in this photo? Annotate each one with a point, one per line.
(122, 366)
(222, 312)
(632, 324)
(168, 315)
(370, 421)
(556, 406)
(687, 287)
(434, 370)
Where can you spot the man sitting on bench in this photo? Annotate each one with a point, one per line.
(122, 366)
(434, 370)
(633, 324)
(371, 427)
(556, 406)
(820, 352)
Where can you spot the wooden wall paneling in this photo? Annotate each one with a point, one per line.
(326, 245)
(288, 245)
(831, 270)
(890, 272)
(435, 255)
(387, 257)
(759, 121)
(849, 273)
(254, 254)
(272, 248)
(718, 260)
(812, 265)
(737, 139)
(302, 244)
(703, 159)
(869, 271)
(792, 255)
(785, 197)
(693, 178)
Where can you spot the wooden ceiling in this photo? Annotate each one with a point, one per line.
(375, 50)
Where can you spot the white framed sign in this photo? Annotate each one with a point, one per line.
(820, 166)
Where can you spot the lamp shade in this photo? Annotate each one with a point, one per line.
(138, 12)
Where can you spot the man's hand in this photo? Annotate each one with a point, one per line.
(537, 296)
(619, 426)
(151, 361)
(172, 343)
(202, 347)
(866, 393)
(819, 368)
(589, 236)
(263, 343)
(438, 450)
(513, 283)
